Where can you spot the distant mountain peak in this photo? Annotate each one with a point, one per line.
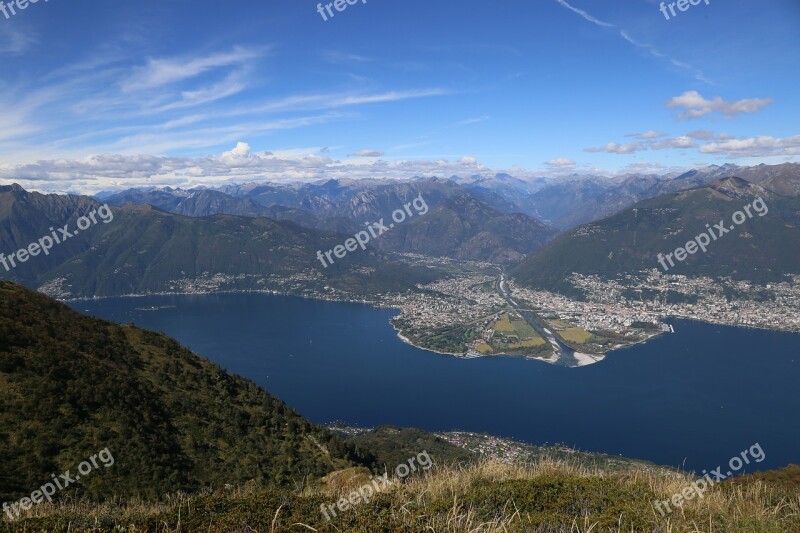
(14, 187)
(736, 187)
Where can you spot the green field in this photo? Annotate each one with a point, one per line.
(504, 324)
(525, 331)
(530, 343)
(484, 348)
(513, 334)
(575, 335)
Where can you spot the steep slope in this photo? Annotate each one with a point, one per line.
(475, 224)
(206, 203)
(73, 385)
(152, 251)
(165, 199)
(563, 202)
(465, 228)
(782, 179)
(573, 200)
(25, 217)
(144, 249)
(762, 248)
(570, 202)
(514, 191)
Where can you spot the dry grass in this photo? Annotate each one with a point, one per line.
(549, 496)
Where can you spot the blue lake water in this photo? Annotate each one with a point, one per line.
(694, 398)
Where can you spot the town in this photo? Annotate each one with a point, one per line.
(465, 315)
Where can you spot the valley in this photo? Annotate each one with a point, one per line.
(511, 267)
(569, 301)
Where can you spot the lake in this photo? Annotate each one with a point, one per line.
(694, 398)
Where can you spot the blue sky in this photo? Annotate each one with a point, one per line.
(99, 95)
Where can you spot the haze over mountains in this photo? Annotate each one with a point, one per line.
(563, 202)
(469, 212)
(762, 249)
(462, 223)
(246, 235)
(145, 249)
(463, 227)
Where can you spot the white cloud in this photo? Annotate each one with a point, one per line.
(344, 57)
(647, 135)
(242, 165)
(368, 153)
(614, 148)
(625, 35)
(761, 146)
(644, 46)
(561, 162)
(15, 41)
(701, 135)
(585, 15)
(231, 85)
(242, 150)
(391, 96)
(695, 106)
(208, 128)
(680, 64)
(166, 104)
(474, 120)
(329, 101)
(648, 167)
(238, 165)
(697, 73)
(160, 142)
(684, 141)
(160, 72)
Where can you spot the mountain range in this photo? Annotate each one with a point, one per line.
(763, 248)
(475, 224)
(561, 202)
(241, 238)
(144, 250)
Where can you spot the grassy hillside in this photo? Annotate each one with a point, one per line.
(788, 477)
(551, 496)
(196, 449)
(72, 385)
(392, 445)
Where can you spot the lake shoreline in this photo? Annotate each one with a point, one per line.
(469, 355)
(335, 362)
